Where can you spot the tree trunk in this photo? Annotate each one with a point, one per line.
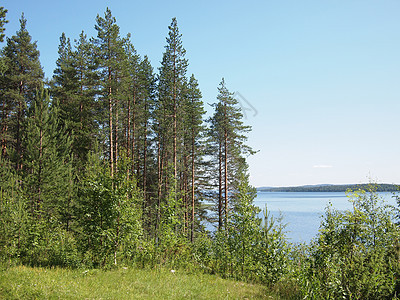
(145, 198)
(133, 144)
(175, 124)
(110, 124)
(220, 186)
(19, 129)
(159, 185)
(4, 129)
(226, 177)
(116, 134)
(184, 193)
(193, 197)
(128, 131)
(226, 165)
(40, 161)
(80, 102)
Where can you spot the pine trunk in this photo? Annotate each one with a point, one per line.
(80, 102)
(19, 129)
(133, 144)
(144, 187)
(184, 193)
(110, 123)
(40, 163)
(193, 197)
(128, 131)
(159, 185)
(145, 162)
(174, 118)
(220, 186)
(116, 134)
(226, 177)
(4, 129)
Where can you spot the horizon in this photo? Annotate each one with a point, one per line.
(318, 81)
(327, 184)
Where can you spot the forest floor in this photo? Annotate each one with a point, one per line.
(125, 283)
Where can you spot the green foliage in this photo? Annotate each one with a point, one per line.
(247, 249)
(137, 200)
(244, 231)
(36, 204)
(136, 197)
(49, 245)
(14, 218)
(47, 164)
(109, 213)
(227, 149)
(355, 253)
(3, 21)
(21, 76)
(72, 87)
(274, 251)
(24, 72)
(171, 218)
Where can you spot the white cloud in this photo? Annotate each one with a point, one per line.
(322, 166)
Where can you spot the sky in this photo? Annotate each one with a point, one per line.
(319, 81)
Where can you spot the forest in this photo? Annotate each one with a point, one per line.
(111, 163)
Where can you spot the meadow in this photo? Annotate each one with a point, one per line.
(124, 283)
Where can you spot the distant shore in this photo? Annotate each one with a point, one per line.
(383, 187)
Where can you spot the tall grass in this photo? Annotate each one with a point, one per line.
(125, 283)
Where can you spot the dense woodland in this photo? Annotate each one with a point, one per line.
(112, 163)
(110, 155)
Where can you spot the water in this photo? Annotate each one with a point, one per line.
(302, 212)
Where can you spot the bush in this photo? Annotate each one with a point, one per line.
(354, 255)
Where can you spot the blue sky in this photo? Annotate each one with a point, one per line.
(323, 76)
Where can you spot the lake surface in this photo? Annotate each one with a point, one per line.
(302, 212)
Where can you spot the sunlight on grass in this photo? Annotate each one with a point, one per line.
(29, 283)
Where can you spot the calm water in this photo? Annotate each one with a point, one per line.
(302, 211)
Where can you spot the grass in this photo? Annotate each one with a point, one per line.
(125, 283)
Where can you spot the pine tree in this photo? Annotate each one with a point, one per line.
(146, 167)
(112, 72)
(73, 85)
(228, 138)
(131, 94)
(169, 113)
(47, 165)
(22, 77)
(193, 152)
(3, 21)
(172, 80)
(63, 84)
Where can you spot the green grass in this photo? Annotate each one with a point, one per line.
(125, 283)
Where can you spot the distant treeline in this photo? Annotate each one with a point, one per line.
(331, 188)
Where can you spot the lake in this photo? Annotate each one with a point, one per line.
(302, 212)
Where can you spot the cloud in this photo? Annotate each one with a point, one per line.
(322, 166)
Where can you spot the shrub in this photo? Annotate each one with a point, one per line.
(354, 255)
